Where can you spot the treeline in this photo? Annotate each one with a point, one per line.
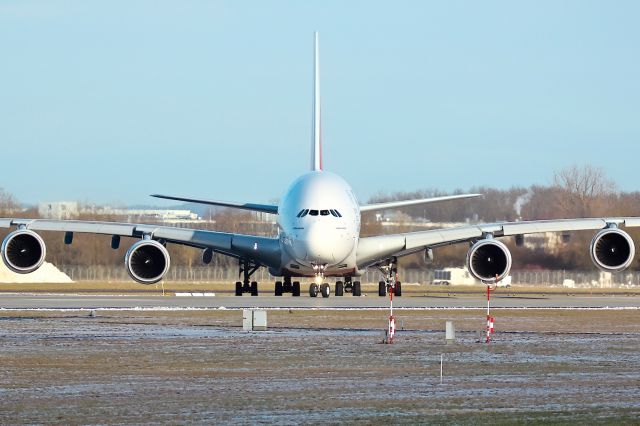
(576, 192)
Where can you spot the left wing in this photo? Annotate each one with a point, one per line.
(262, 251)
(372, 250)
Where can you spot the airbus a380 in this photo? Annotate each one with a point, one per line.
(318, 236)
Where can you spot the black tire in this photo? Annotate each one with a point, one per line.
(286, 287)
(254, 288)
(325, 290)
(339, 288)
(382, 288)
(313, 290)
(398, 290)
(278, 291)
(356, 289)
(295, 288)
(238, 288)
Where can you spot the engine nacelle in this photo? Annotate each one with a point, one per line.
(612, 250)
(23, 251)
(147, 261)
(489, 261)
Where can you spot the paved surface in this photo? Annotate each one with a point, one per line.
(63, 301)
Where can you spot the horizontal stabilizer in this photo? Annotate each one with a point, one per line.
(265, 208)
(407, 203)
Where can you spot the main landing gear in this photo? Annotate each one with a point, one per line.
(348, 287)
(247, 268)
(287, 287)
(390, 283)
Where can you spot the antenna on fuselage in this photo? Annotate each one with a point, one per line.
(316, 136)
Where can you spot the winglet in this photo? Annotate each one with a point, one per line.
(316, 139)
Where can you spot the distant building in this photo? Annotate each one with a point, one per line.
(71, 210)
(58, 210)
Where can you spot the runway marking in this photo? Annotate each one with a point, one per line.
(236, 308)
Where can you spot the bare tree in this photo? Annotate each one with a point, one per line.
(8, 203)
(584, 188)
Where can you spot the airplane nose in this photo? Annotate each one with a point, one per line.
(319, 241)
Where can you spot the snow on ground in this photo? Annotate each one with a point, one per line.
(47, 273)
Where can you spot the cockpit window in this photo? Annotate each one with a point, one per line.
(303, 212)
(334, 213)
(337, 213)
(324, 212)
(313, 212)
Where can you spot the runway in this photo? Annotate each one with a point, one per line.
(18, 301)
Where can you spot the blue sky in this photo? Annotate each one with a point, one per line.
(111, 101)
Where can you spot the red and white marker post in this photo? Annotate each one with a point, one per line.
(392, 320)
(489, 327)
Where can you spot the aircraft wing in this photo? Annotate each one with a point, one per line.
(262, 250)
(372, 250)
(265, 208)
(406, 203)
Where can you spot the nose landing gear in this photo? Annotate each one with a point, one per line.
(319, 285)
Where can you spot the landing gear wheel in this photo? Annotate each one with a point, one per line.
(398, 290)
(339, 288)
(313, 290)
(382, 288)
(286, 287)
(278, 288)
(356, 289)
(254, 288)
(238, 288)
(295, 289)
(325, 290)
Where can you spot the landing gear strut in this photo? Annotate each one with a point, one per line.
(287, 287)
(319, 286)
(247, 268)
(390, 283)
(350, 287)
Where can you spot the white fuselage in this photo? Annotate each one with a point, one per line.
(319, 225)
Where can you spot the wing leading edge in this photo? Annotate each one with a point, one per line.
(407, 203)
(265, 208)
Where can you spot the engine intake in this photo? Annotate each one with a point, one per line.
(489, 261)
(612, 250)
(23, 251)
(147, 261)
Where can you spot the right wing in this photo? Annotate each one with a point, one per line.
(265, 208)
(406, 203)
(262, 250)
(372, 250)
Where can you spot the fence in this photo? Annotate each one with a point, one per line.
(418, 276)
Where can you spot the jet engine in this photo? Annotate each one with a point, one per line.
(23, 251)
(612, 250)
(489, 260)
(147, 261)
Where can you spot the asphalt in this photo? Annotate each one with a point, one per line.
(75, 301)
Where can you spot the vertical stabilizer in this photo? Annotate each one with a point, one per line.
(316, 137)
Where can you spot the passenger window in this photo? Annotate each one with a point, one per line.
(313, 212)
(324, 212)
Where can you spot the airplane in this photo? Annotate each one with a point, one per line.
(318, 221)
